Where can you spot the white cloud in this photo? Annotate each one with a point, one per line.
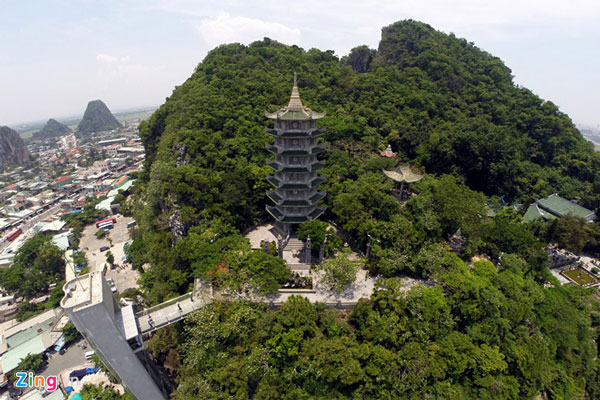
(114, 67)
(225, 28)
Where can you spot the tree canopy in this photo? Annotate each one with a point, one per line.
(498, 328)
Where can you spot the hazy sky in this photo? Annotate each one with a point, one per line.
(56, 55)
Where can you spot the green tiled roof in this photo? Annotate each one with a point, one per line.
(13, 357)
(316, 213)
(555, 206)
(274, 196)
(534, 212)
(290, 133)
(274, 212)
(559, 206)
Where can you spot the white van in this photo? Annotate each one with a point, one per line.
(89, 354)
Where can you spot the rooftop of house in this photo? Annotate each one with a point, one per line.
(62, 179)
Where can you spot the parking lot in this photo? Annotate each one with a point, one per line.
(91, 244)
(73, 357)
(123, 276)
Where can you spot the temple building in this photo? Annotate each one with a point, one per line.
(295, 195)
(403, 176)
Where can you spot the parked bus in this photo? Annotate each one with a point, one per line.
(106, 225)
(14, 235)
(111, 219)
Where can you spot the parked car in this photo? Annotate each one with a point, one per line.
(104, 248)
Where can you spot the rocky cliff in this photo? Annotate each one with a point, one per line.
(12, 148)
(97, 118)
(53, 128)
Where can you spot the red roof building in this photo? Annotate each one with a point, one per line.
(388, 152)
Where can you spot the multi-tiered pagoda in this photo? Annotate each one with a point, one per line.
(295, 163)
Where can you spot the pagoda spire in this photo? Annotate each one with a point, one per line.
(295, 110)
(295, 103)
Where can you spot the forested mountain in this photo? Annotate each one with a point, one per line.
(53, 128)
(492, 331)
(97, 118)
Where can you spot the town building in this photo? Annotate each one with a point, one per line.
(108, 142)
(33, 336)
(112, 150)
(295, 164)
(100, 167)
(68, 142)
(62, 181)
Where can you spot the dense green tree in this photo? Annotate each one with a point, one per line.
(36, 264)
(339, 272)
(31, 362)
(91, 392)
(485, 330)
(570, 232)
(110, 258)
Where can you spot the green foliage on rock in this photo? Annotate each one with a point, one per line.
(499, 329)
(97, 118)
(486, 332)
(438, 100)
(52, 129)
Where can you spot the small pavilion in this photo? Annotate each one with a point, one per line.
(403, 176)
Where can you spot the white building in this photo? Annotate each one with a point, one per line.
(68, 142)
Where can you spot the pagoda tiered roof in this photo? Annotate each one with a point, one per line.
(295, 110)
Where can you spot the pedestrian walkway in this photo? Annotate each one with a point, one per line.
(171, 311)
(165, 315)
(176, 309)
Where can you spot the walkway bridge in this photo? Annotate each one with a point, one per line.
(173, 310)
(150, 319)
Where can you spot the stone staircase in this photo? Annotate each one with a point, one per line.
(293, 255)
(294, 244)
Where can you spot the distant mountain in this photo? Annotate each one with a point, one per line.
(53, 128)
(591, 134)
(97, 118)
(12, 148)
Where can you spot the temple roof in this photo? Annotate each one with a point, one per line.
(403, 173)
(295, 110)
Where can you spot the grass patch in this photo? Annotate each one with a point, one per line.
(580, 276)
